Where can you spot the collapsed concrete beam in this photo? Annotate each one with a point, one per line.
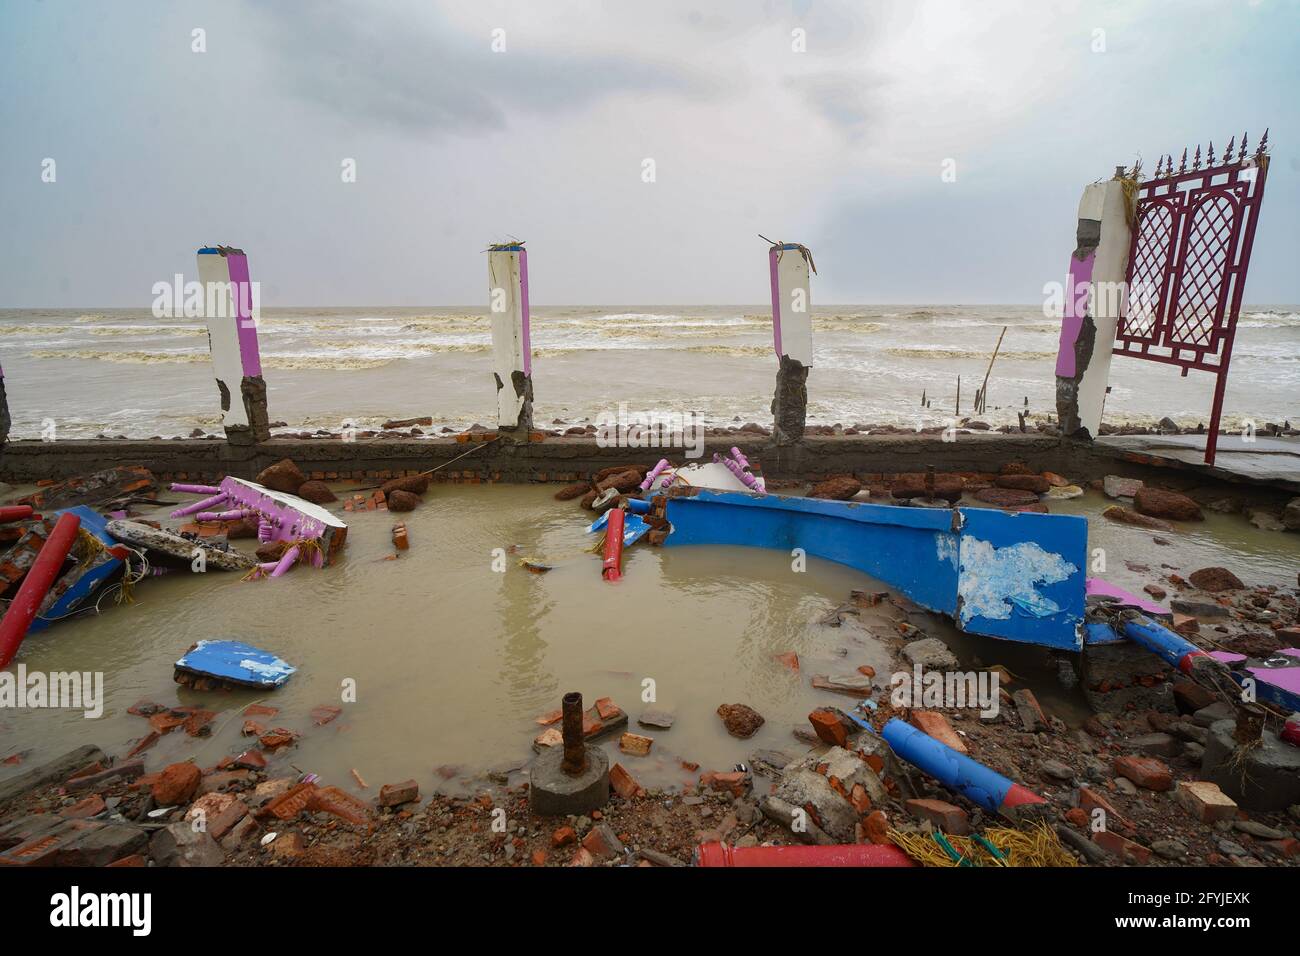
(232, 337)
(788, 265)
(1094, 297)
(512, 360)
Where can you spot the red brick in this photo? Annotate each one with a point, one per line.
(635, 744)
(624, 783)
(876, 826)
(395, 794)
(1090, 800)
(176, 784)
(945, 816)
(934, 724)
(539, 858)
(1126, 850)
(789, 659)
(564, 836)
(859, 798)
(1205, 801)
(829, 727)
(1145, 772)
(733, 781)
(89, 807)
(607, 709)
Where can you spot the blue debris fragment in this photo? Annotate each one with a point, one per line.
(634, 527)
(235, 662)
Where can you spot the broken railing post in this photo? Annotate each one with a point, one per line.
(788, 265)
(569, 778)
(512, 360)
(1094, 297)
(229, 306)
(575, 750)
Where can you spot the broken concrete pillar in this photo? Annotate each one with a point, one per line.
(511, 349)
(1094, 297)
(788, 264)
(229, 307)
(5, 421)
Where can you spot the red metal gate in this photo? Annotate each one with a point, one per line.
(1192, 235)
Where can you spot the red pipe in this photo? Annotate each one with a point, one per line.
(14, 513)
(846, 854)
(612, 570)
(39, 580)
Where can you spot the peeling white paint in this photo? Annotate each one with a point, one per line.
(994, 582)
(946, 546)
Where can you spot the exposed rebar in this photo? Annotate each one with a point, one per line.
(575, 749)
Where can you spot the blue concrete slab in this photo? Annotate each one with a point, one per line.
(1016, 576)
(236, 662)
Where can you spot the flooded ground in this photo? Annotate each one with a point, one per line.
(452, 660)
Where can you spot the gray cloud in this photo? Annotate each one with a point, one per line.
(414, 72)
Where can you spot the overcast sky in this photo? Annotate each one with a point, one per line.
(159, 149)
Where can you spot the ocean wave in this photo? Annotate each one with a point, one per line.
(945, 354)
(36, 329)
(121, 356)
(146, 330)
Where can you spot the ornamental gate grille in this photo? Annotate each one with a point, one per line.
(1192, 235)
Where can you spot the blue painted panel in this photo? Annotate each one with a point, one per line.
(1023, 576)
(1016, 576)
(81, 591)
(911, 549)
(237, 662)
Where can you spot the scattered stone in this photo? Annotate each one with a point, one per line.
(930, 653)
(403, 501)
(836, 489)
(1114, 486)
(1006, 497)
(1169, 505)
(284, 476)
(740, 720)
(659, 719)
(1123, 515)
(179, 844)
(317, 492)
(1035, 483)
(1031, 714)
(1057, 770)
(1215, 580)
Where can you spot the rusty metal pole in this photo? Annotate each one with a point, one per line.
(575, 749)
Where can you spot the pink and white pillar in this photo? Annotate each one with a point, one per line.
(1094, 297)
(232, 335)
(512, 360)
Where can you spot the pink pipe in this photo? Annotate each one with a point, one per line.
(195, 489)
(203, 505)
(286, 562)
(737, 468)
(655, 472)
(223, 515)
(264, 530)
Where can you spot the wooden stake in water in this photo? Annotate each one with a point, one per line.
(958, 409)
(984, 389)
